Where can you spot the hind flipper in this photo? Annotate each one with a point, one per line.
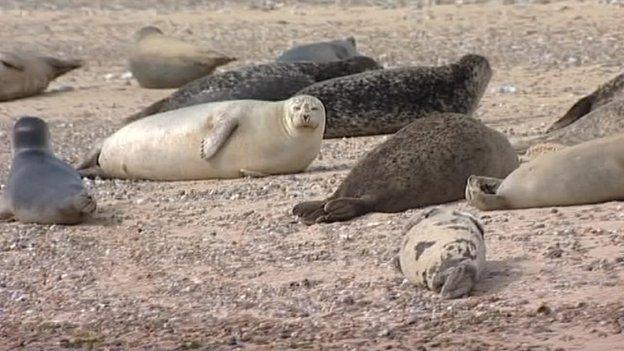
(94, 172)
(91, 159)
(219, 135)
(481, 193)
(578, 110)
(459, 281)
(344, 209)
(309, 211)
(6, 213)
(60, 67)
(148, 111)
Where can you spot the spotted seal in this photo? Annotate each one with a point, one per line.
(382, 102)
(444, 251)
(26, 74)
(268, 82)
(216, 140)
(586, 173)
(159, 61)
(326, 51)
(425, 163)
(41, 188)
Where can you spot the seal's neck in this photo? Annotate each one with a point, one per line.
(31, 141)
(285, 122)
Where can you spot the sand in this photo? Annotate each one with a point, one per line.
(220, 265)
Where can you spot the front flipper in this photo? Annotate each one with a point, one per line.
(6, 213)
(91, 159)
(459, 281)
(11, 61)
(221, 132)
(578, 110)
(252, 174)
(94, 172)
(345, 208)
(481, 193)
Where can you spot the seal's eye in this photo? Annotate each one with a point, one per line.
(297, 108)
(314, 108)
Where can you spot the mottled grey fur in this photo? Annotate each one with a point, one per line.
(382, 102)
(268, 82)
(425, 163)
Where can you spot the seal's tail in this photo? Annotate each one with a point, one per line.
(61, 67)
(148, 111)
(481, 193)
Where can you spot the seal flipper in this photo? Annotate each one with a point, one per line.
(345, 208)
(60, 67)
(5, 210)
(309, 211)
(11, 61)
(252, 174)
(578, 110)
(481, 193)
(458, 281)
(221, 132)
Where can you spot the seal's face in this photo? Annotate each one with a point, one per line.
(31, 132)
(478, 66)
(305, 111)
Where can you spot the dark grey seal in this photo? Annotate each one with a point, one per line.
(606, 93)
(326, 51)
(42, 188)
(425, 163)
(268, 82)
(382, 102)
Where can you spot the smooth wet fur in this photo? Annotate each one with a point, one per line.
(41, 188)
(384, 101)
(425, 163)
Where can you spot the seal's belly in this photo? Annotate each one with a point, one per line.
(171, 155)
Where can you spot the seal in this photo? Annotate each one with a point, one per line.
(606, 120)
(24, 74)
(586, 173)
(606, 93)
(443, 250)
(425, 163)
(41, 188)
(326, 51)
(159, 61)
(217, 140)
(268, 82)
(382, 102)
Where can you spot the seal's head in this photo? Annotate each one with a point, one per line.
(304, 111)
(146, 31)
(30, 133)
(477, 67)
(456, 218)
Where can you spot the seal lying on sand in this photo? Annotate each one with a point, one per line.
(217, 140)
(23, 74)
(268, 82)
(606, 93)
(382, 102)
(42, 188)
(444, 251)
(425, 163)
(158, 61)
(587, 173)
(325, 51)
(606, 120)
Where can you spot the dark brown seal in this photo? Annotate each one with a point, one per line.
(425, 163)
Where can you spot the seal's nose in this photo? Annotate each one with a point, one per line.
(306, 117)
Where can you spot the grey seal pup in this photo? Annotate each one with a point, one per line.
(25, 74)
(267, 82)
(159, 61)
(443, 250)
(425, 163)
(41, 188)
(325, 51)
(384, 101)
